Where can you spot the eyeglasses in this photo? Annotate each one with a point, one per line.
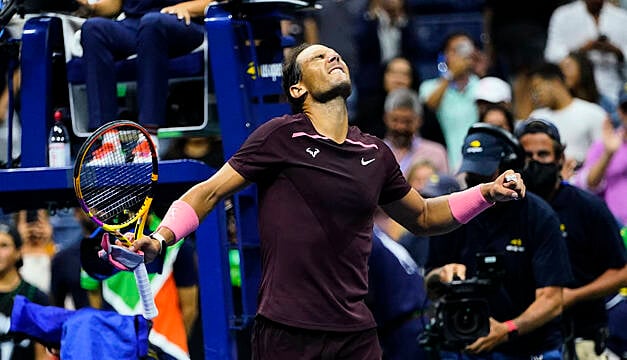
(533, 126)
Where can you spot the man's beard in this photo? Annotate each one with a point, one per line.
(343, 90)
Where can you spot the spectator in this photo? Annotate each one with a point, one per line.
(38, 247)
(492, 91)
(452, 95)
(596, 27)
(579, 78)
(605, 170)
(498, 115)
(384, 32)
(525, 309)
(155, 31)
(595, 247)
(398, 73)
(579, 121)
(12, 284)
(403, 118)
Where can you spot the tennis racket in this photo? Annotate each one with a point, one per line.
(115, 172)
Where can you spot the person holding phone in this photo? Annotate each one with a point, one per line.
(451, 95)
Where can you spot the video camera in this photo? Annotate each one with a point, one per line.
(461, 314)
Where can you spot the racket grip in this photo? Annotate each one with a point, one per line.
(145, 292)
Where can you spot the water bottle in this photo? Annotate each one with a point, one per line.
(59, 143)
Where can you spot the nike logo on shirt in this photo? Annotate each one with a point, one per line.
(366, 162)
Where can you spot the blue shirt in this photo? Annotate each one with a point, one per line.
(594, 246)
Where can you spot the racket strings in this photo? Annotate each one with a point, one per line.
(116, 175)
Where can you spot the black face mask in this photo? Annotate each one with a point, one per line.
(540, 178)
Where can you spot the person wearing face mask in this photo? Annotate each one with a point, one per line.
(595, 247)
(525, 307)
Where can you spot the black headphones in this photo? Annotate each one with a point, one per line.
(514, 158)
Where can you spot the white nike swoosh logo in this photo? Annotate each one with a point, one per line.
(366, 162)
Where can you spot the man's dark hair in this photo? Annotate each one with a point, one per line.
(548, 71)
(292, 74)
(541, 126)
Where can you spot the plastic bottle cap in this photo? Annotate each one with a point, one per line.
(58, 115)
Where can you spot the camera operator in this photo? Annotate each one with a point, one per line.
(524, 309)
(593, 238)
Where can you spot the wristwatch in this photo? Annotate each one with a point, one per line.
(164, 244)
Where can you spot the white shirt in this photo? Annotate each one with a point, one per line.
(579, 124)
(571, 26)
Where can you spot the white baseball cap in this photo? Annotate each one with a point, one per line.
(494, 90)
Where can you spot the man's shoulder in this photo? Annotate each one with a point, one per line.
(575, 195)
(287, 122)
(589, 107)
(538, 205)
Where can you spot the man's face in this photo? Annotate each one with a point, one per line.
(402, 121)
(539, 147)
(324, 73)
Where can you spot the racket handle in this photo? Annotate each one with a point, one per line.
(145, 292)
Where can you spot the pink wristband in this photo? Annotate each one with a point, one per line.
(181, 219)
(467, 204)
(511, 326)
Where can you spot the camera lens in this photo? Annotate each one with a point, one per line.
(466, 320)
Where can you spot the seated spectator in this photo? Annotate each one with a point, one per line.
(12, 284)
(493, 91)
(403, 118)
(38, 247)
(578, 73)
(498, 115)
(398, 73)
(578, 121)
(605, 169)
(155, 31)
